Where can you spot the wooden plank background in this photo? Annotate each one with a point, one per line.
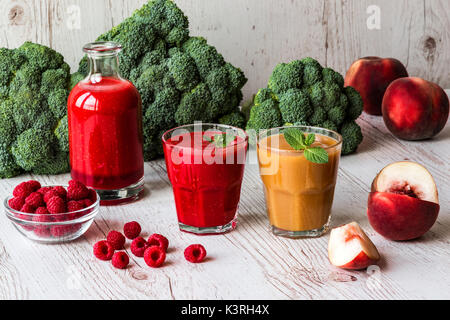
(257, 34)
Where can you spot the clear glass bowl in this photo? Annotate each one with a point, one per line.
(52, 228)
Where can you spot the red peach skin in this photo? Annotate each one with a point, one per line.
(370, 76)
(400, 217)
(415, 109)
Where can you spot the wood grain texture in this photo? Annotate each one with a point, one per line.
(248, 263)
(257, 34)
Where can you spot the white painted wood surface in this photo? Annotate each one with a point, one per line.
(248, 263)
(257, 34)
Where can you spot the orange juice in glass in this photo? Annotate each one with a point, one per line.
(299, 193)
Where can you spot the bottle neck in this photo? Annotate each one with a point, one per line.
(104, 65)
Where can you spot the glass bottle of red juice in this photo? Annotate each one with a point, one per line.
(105, 128)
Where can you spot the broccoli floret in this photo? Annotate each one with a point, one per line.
(193, 106)
(7, 124)
(336, 115)
(265, 116)
(161, 113)
(57, 102)
(263, 95)
(235, 119)
(61, 134)
(33, 95)
(184, 72)
(355, 103)
(312, 71)
(330, 125)
(32, 148)
(352, 136)
(331, 94)
(331, 76)
(8, 166)
(286, 76)
(181, 79)
(294, 106)
(319, 115)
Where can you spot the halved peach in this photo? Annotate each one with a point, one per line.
(350, 248)
(404, 202)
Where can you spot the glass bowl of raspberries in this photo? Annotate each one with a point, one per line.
(52, 214)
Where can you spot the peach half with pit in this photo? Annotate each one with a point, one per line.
(403, 203)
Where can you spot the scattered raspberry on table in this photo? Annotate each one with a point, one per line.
(195, 253)
(132, 230)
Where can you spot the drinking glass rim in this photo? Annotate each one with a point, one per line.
(242, 131)
(308, 130)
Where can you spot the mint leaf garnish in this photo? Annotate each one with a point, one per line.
(221, 140)
(299, 141)
(316, 155)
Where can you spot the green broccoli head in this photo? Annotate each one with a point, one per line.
(181, 79)
(305, 93)
(34, 87)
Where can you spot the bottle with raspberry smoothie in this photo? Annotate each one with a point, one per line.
(105, 128)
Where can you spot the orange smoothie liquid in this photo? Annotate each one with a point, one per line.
(299, 193)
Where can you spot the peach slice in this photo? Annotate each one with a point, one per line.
(350, 248)
(404, 202)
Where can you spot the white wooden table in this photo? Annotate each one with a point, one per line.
(248, 263)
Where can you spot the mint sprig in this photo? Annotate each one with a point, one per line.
(299, 141)
(221, 140)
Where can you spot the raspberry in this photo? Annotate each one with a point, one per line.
(132, 229)
(22, 190)
(35, 200)
(138, 247)
(61, 192)
(42, 230)
(61, 231)
(120, 260)
(50, 194)
(103, 250)
(56, 205)
(26, 208)
(154, 256)
(195, 253)
(159, 241)
(16, 203)
(34, 185)
(73, 206)
(92, 195)
(116, 239)
(41, 210)
(86, 202)
(77, 191)
(44, 190)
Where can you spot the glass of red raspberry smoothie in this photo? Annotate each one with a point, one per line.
(105, 128)
(205, 164)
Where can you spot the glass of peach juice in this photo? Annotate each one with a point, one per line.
(299, 193)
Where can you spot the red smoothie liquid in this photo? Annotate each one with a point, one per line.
(206, 194)
(105, 133)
